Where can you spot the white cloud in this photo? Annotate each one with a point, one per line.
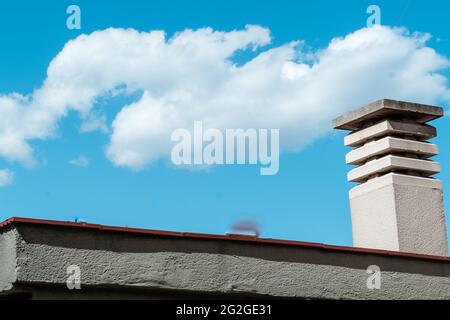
(191, 76)
(93, 122)
(81, 161)
(6, 177)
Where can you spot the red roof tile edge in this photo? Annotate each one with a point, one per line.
(228, 237)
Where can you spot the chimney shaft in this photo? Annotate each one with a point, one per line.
(397, 205)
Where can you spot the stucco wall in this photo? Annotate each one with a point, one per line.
(420, 211)
(203, 267)
(399, 213)
(7, 258)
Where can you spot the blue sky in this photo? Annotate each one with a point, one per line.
(307, 200)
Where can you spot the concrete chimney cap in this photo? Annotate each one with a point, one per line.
(387, 109)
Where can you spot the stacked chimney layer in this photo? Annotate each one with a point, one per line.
(397, 204)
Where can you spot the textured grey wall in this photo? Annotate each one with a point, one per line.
(216, 267)
(7, 258)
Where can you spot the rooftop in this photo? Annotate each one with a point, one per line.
(121, 262)
(217, 237)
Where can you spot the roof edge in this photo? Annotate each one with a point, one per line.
(229, 237)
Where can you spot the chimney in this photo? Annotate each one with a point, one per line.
(397, 204)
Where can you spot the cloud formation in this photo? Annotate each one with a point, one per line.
(192, 76)
(81, 161)
(6, 177)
